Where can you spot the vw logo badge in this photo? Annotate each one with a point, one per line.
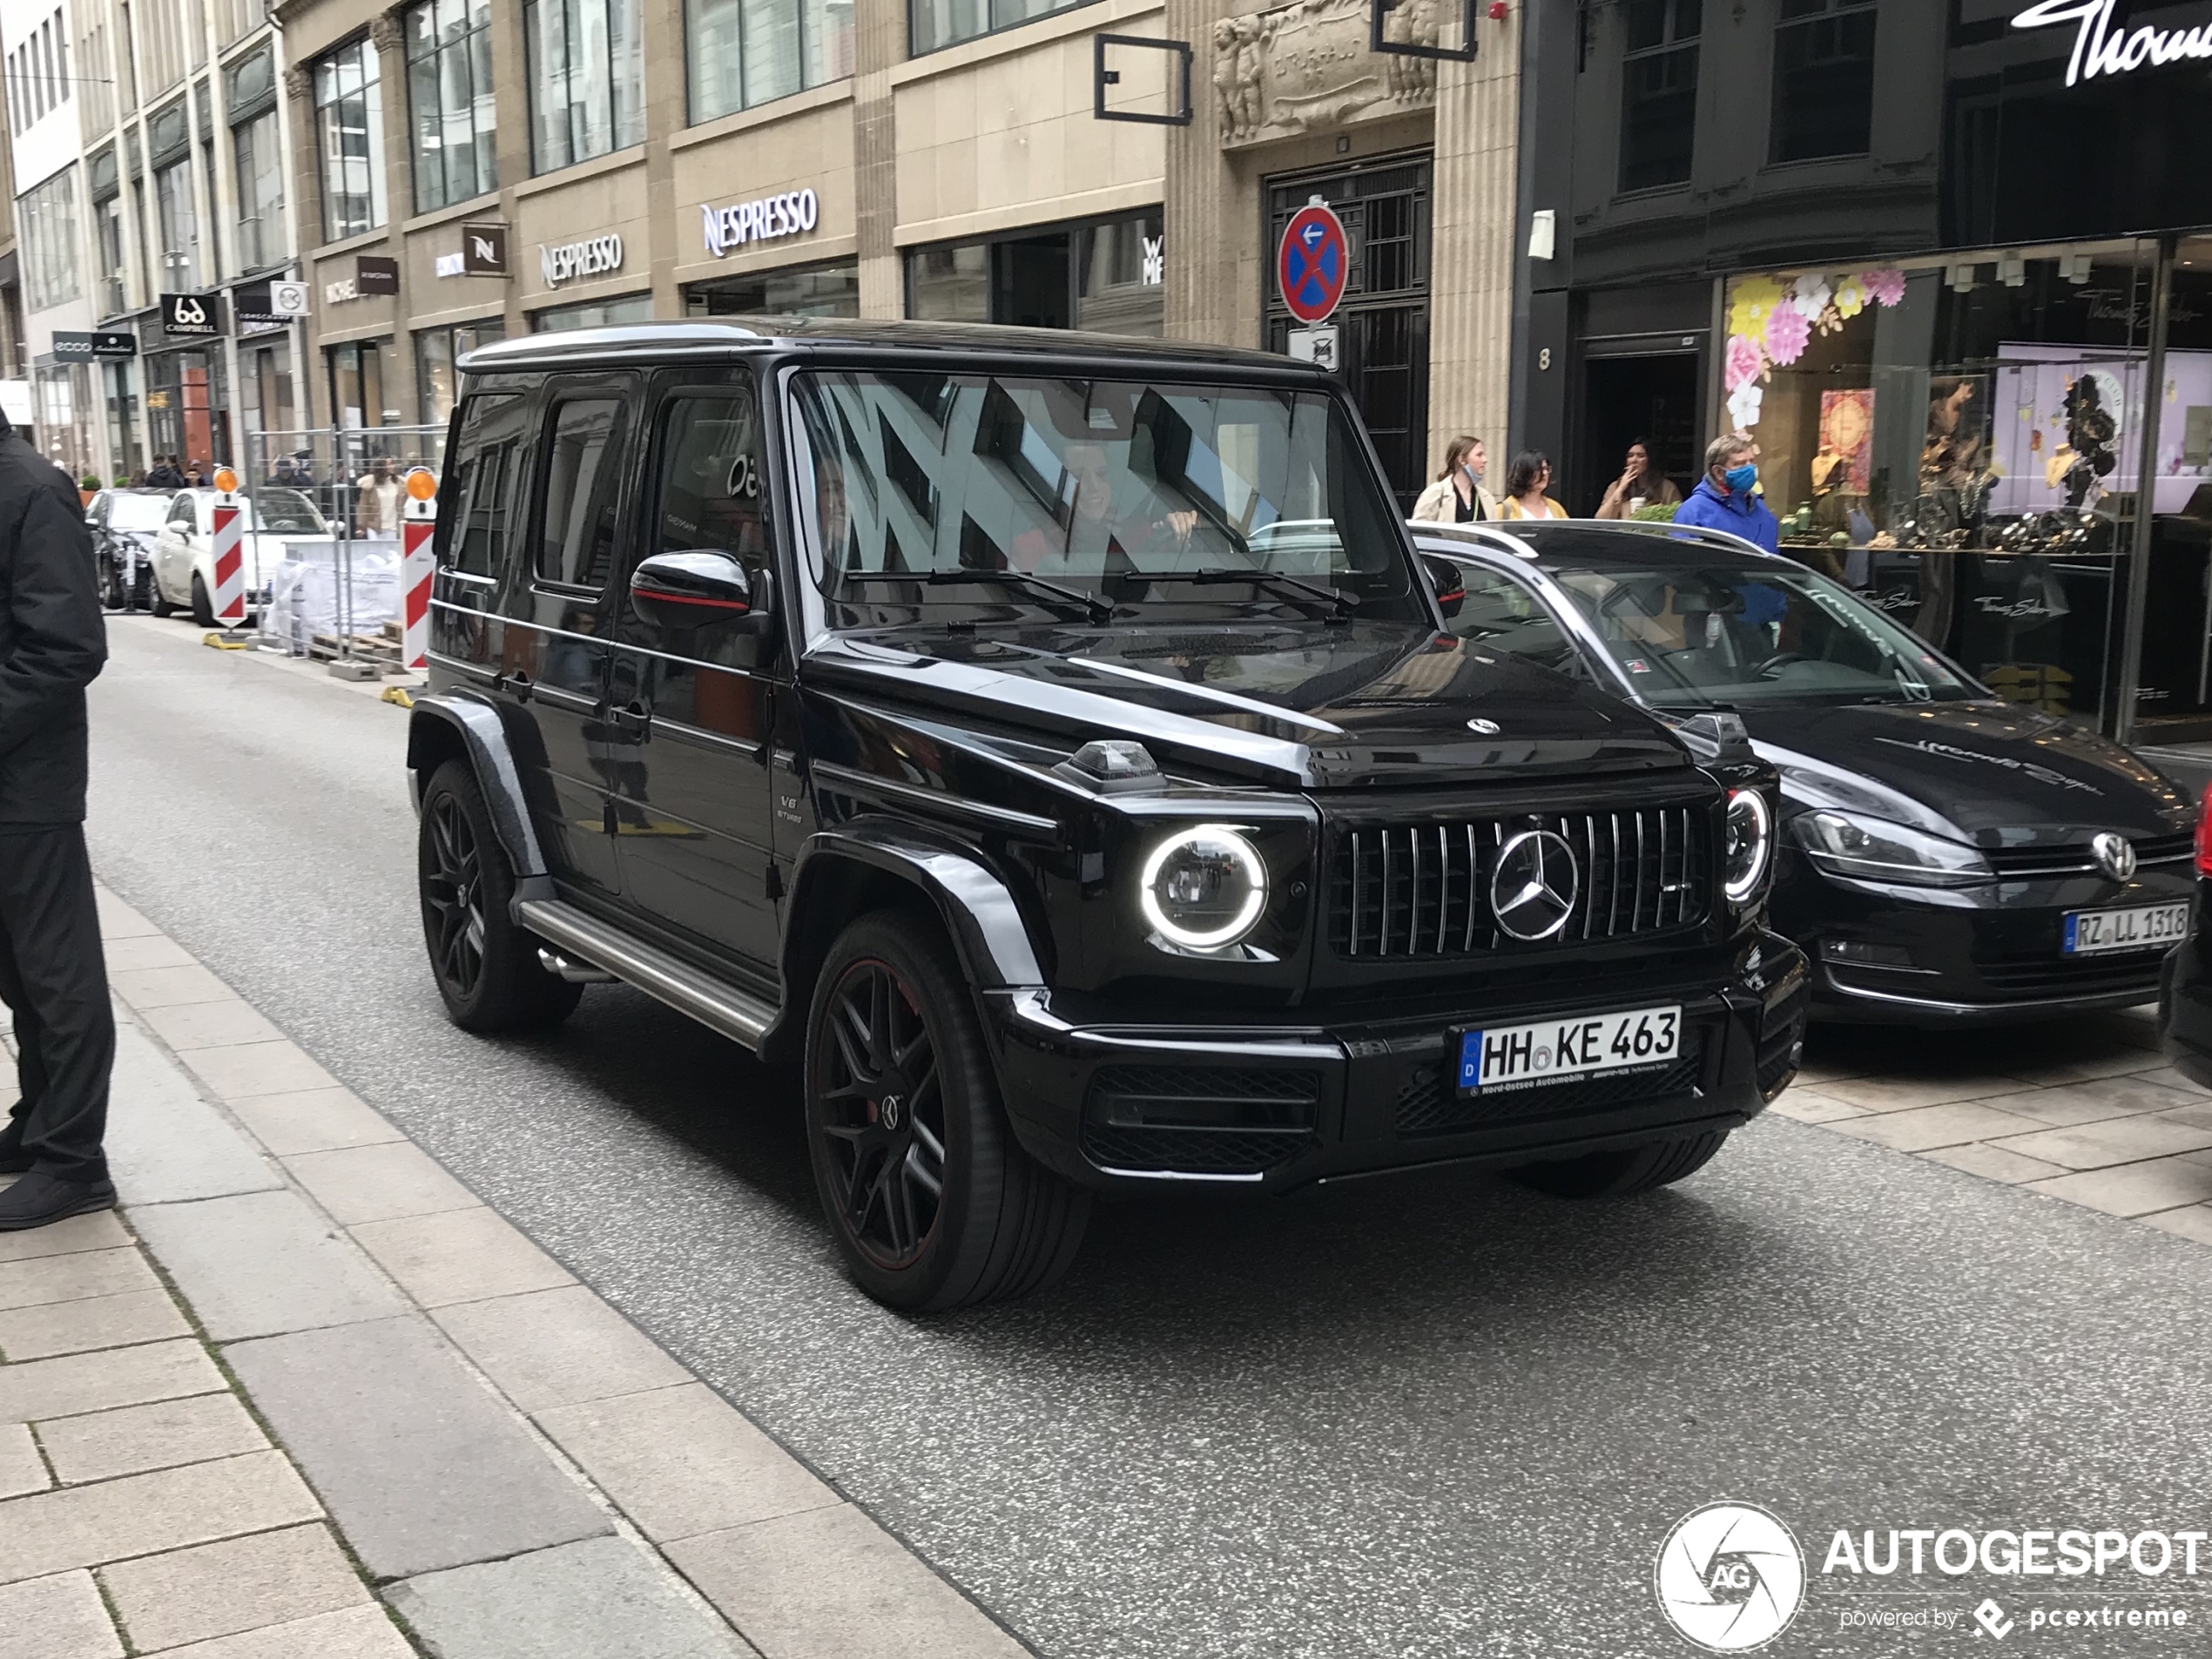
(1483, 728)
(1533, 885)
(889, 1108)
(2113, 856)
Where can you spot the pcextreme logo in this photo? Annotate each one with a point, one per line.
(1730, 1577)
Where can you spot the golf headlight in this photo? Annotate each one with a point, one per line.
(1874, 849)
(1203, 888)
(1750, 844)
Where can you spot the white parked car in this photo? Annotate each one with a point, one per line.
(184, 554)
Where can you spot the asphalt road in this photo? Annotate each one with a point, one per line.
(1421, 1416)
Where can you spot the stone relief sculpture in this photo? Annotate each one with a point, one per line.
(1295, 67)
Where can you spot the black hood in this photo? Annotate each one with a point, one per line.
(1992, 773)
(1336, 706)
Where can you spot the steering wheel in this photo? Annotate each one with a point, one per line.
(1773, 666)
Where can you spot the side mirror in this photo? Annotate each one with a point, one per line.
(181, 526)
(1447, 581)
(682, 592)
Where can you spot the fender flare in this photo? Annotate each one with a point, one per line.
(483, 740)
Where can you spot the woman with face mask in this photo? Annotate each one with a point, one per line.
(1457, 497)
(1725, 498)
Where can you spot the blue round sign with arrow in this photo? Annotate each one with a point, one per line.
(1313, 263)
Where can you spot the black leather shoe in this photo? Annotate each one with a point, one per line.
(38, 1199)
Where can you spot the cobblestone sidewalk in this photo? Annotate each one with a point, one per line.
(305, 1397)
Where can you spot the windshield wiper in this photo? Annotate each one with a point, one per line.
(1094, 608)
(1336, 598)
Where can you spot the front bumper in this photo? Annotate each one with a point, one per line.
(1280, 1106)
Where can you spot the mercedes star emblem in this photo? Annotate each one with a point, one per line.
(1533, 885)
(1483, 728)
(2113, 856)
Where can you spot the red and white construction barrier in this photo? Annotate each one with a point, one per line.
(230, 559)
(417, 525)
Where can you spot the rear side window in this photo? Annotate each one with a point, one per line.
(483, 486)
(582, 475)
(1501, 615)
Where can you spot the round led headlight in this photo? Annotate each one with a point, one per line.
(1750, 844)
(1203, 888)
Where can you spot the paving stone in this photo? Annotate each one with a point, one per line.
(164, 1143)
(1922, 1128)
(421, 1466)
(352, 1633)
(257, 1069)
(380, 1182)
(2194, 1221)
(1808, 1107)
(118, 920)
(1896, 1093)
(602, 1596)
(2172, 1079)
(832, 1584)
(169, 986)
(223, 1024)
(2196, 1114)
(95, 1382)
(263, 1263)
(21, 1468)
(143, 952)
(240, 1584)
(56, 1618)
(100, 1229)
(132, 1440)
(1993, 1162)
(2120, 1140)
(2062, 1108)
(680, 1461)
(2134, 1189)
(73, 1277)
(312, 1120)
(559, 1347)
(461, 1256)
(138, 1514)
(100, 1322)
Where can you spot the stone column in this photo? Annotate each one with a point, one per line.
(1473, 242)
(1213, 251)
(879, 44)
(510, 75)
(387, 35)
(310, 393)
(667, 100)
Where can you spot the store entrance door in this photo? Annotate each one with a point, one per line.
(1629, 397)
(1383, 323)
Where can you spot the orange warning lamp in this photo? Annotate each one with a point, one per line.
(421, 484)
(226, 480)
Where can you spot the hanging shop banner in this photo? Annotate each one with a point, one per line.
(1313, 263)
(71, 345)
(190, 316)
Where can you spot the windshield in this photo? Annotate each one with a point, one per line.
(137, 512)
(283, 511)
(1093, 497)
(1688, 636)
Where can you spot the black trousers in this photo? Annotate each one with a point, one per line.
(54, 981)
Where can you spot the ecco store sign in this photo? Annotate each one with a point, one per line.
(764, 220)
(2099, 47)
(594, 257)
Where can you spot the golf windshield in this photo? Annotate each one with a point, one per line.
(999, 490)
(1691, 637)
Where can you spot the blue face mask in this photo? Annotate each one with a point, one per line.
(1739, 479)
(1472, 471)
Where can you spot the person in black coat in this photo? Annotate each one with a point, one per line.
(52, 977)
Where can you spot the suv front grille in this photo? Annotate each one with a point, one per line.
(1409, 891)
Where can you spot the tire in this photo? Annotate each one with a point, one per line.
(159, 603)
(203, 608)
(1623, 1174)
(486, 966)
(891, 1007)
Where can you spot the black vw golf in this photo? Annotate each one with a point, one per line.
(1947, 857)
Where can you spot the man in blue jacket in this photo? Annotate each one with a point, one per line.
(1723, 501)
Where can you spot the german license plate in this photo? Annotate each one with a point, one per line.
(2137, 927)
(1550, 1051)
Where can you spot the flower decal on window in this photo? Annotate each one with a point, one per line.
(1886, 285)
(1787, 331)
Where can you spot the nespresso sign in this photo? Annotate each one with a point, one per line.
(764, 220)
(2099, 47)
(595, 256)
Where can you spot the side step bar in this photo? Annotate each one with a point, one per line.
(737, 1014)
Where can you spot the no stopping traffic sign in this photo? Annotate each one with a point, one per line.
(1312, 263)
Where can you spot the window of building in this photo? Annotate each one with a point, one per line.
(1119, 276)
(436, 350)
(941, 22)
(950, 284)
(47, 216)
(265, 389)
(349, 132)
(587, 80)
(449, 78)
(1659, 91)
(744, 52)
(357, 382)
(260, 191)
(804, 290)
(1824, 79)
(598, 314)
(583, 474)
(177, 228)
(114, 292)
(1106, 276)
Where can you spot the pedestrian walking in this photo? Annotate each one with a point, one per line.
(1724, 499)
(52, 976)
(377, 497)
(1640, 485)
(1526, 480)
(1457, 497)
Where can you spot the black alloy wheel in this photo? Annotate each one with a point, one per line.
(934, 1203)
(486, 965)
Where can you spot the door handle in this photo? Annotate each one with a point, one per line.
(517, 682)
(634, 720)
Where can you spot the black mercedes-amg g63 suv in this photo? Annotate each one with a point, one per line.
(1049, 746)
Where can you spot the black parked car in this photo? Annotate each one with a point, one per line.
(125, 524)
(1049, 745)
(1946, 858)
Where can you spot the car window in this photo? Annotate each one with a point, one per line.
(579, 524)
(709, 498)
(478, 496)
(282, 510)
(183, 505)
(135, 512)
(1499, 614)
